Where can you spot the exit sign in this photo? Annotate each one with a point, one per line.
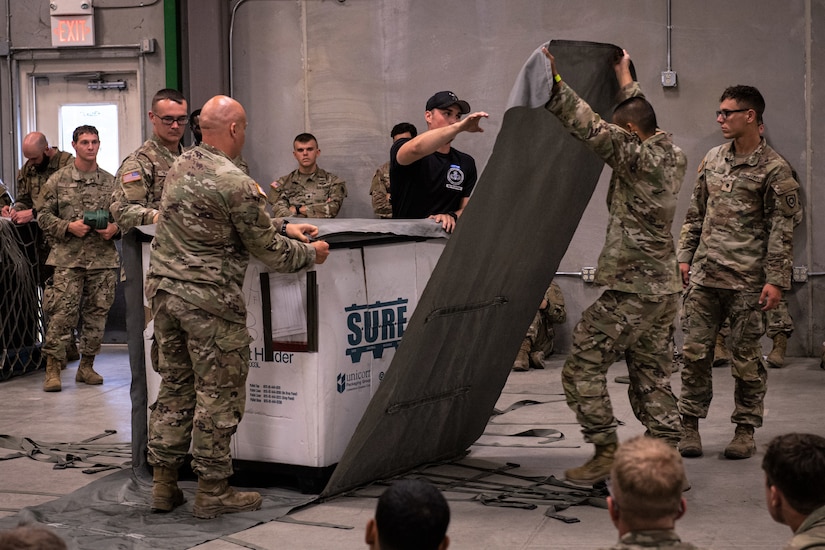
(73, 30)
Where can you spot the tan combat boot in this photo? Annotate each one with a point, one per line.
(721, 353)
(522, 362)
(691, 444)
(596, 469)
(166, 495)
(86, 373)
(216, 497)
(742, 445)
(776, 358)
(53, 368)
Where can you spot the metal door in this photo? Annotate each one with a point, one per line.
(58, 96)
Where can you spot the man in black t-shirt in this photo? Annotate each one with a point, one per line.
(428, 177)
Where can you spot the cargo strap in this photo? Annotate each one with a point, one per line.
(502, 487)
(94, 457)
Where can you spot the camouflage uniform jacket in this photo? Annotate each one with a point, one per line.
(321, 192)
(666, 538)
(811, 534)
(212, 217)
(140, 181)
(738, 231)
(30, 181)
(638, 255)
(5, 197)
(65, 197)
(380, 191)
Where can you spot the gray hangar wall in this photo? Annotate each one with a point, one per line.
(347, 71)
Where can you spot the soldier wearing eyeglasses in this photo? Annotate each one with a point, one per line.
(735, 256)
(141, 176)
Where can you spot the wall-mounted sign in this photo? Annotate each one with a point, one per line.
(73, 23)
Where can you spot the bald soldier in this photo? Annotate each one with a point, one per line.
(41, 162)
(212, 216)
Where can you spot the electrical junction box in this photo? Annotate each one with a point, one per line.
(669, 79)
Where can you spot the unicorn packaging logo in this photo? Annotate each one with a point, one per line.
(350, 381)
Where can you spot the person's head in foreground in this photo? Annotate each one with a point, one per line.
(646, 484)
(411, 515)
(794, 466)
(30, 537)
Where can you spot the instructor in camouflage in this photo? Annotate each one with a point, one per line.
(75, 218)
(142, 174)
(212, 216)
(633, 318)
(735, 257)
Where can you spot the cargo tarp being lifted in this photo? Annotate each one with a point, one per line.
(456, 354)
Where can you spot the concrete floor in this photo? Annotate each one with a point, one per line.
(725, 505)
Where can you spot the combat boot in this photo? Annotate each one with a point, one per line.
(537, 359)
(742, 445)
(721, 353)
(522, 362)
(86, 373)
(776, 358)
(53, 368)
(691, 444)
(216, 497)
(596, 469)
(166, 495)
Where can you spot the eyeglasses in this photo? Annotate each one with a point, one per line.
(725, 113)
(169, 120)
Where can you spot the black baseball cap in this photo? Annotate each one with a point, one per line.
(442, 100)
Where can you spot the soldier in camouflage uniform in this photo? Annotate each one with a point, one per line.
(142, 174)
(212, 216)
(41, 162)
(794, 466)
(309, 191)
(646, 484)
(735, 256)
(83, 255)
(539, 342)
(633, 318)
(380, 187)
(778, 327)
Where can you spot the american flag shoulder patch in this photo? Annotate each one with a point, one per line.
(131, 176)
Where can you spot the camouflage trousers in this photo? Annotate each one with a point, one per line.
(639, 329)
(75, 293)
(203, 362)
(704, 310)
(777, 321)
(541, 333)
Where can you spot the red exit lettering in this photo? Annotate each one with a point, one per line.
(72, 30)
